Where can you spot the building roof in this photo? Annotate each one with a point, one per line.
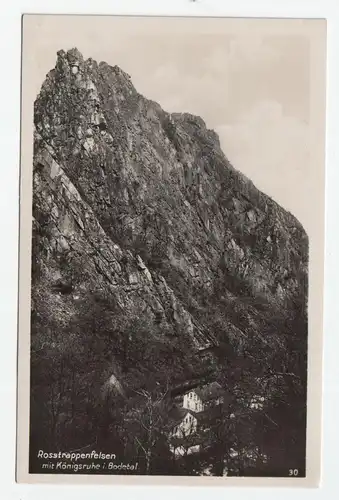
(188, 441)
(209, 391)
(209, 415)
(177, 415)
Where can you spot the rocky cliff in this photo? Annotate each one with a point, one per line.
(153, 257)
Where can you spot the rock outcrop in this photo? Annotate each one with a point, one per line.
(142, 208)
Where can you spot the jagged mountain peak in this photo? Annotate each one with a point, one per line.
(113, 141)
(84, 77)
(146, 204)
(72, 55)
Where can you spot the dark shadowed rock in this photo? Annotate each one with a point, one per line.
(143, 208)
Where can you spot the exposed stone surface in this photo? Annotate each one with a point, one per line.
(144, 205)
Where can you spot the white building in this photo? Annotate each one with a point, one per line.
(189, 406)
(184, 432)
(182, 451)
(186, 427)
(201, 398)
(193, 402)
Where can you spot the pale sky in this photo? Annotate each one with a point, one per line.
(249, 81)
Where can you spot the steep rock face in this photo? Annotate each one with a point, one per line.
(143, 207)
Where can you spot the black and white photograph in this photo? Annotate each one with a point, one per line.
(175, 219)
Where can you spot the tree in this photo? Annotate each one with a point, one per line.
(149, 422)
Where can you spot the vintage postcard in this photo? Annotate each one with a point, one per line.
(171, 250)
